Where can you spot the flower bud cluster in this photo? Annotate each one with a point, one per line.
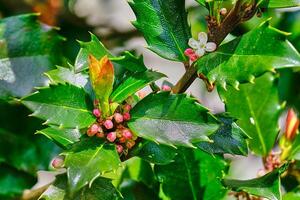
(114, 128)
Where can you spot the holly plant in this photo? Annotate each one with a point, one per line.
(120, 143)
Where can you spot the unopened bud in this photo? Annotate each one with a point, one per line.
(223, 11)
(100, 135)
(122, 140)
(58, 162)
(119, 148)
(108, 124)
(126, 116)
(111, 136)
(97, 112)
(127, 134)
(291, 125)
(188, 52)
(127, 107)
(93, 130)
(166, 88)
(118, 118)
(130, 144)
(194, 57)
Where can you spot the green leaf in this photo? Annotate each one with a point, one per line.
(65, 75)
(27, 50)
(229, 138)
(13, 182)
(180, 179)
(164, 25)
(246, 57)
(256, 106)
(101, 189)
(154, 153)
(93, 47)
(172, 120)
(267, 186)
(212, 169)
(62, 105)
(63, 137)
(293, 195)
(134, 83)
(87, 160)
(280, 3)
(295, 148)
(201, 2)
(130, 62)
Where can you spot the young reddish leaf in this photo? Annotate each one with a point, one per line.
(102, 79)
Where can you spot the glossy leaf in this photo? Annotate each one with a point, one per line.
(292, 195)
(164, 25)
(182, 174)
(102, 79)
(28, 49)
(280, 3)
(267, 186)
(155, 153)
(93, 47)
(244, 58)
(295, 148)
(87, 160)
(256, 106)
(101, 189)
(134, 83)
(63, 137)
(229, 138)
(62, 105)
(68, 75)
(130, 62)
(175, 120)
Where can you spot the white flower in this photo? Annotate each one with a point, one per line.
(201, 46)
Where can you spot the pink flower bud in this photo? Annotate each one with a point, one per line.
(188, 52)
(111, 136)
(100, 135)
(119, 148)
(58, 162)
(166, 88)
(223, 11)
(97, 112)
(127, 107)
(122, 140)
(127, 134)
(118, 118)
(93, 130)
(108, 124)
(292, 124)
(126, 116)
(194, 57)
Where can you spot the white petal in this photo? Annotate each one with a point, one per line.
(193, 43)
(210, 47)
(202, 37)
(200, 52)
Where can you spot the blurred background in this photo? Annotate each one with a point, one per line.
(111, 20)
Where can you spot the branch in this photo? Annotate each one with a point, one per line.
(217, 33)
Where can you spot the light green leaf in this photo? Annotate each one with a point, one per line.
(101, 189)
(267, 186)
(134, 83)
(279, 3)
(172, 120)
(89, 159)
(27, 50)
(63, 137)
(244, 58)
(295, 148)
(229, 138)
(164, 25)
(62, 105)
(256, 106)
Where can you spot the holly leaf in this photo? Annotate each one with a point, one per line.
(134, 83)
(28, 49)
(63, 105)
(164, 25)
(182, 174)
(295, 148)
(62, 137)
(93, 47)
(267, 186)
(256, 106)
(292, 195)
(155, 153)
(67, 75)
(130, 62)
(101, 189)
(244, 58)
(87, 160)
(229, 138)
(170, 119)
(14, 182)
(280, 3)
